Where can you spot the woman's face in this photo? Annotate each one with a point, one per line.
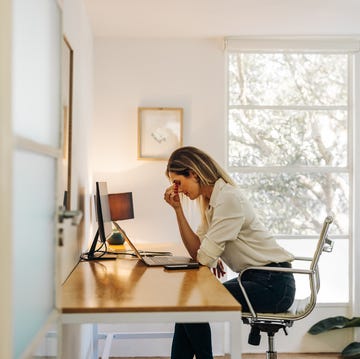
(189, 186)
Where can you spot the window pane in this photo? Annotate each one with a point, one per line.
(331, 276)
(287, 79)
(296, 204)
(285, 138)
(289, 147)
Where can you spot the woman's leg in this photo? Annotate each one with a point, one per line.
(192, 339)
(267, 291)
(181, 346)
(256, 293)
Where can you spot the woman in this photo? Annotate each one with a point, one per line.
(230, 231)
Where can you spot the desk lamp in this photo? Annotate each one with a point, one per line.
(121, 207)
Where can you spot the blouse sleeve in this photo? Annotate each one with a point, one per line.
(227, 219)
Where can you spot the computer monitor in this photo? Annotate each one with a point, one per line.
(103, 218)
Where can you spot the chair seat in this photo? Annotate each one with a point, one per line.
(298, 310)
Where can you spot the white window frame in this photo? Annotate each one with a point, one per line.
(333, 44)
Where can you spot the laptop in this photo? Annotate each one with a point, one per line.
(154, 260)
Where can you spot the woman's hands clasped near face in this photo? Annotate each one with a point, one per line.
(171, 195)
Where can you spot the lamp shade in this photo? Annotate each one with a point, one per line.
(121, 206)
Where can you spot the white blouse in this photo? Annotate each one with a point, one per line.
(235, 234)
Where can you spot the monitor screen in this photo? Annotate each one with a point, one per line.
(104, 223)
(103, 211)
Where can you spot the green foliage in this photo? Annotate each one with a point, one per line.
(352, 351)
(332, 323)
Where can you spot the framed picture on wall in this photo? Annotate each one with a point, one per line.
(159, 132)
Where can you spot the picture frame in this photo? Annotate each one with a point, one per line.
(160, 132)
(67, 104)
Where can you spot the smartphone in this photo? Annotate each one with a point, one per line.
(182, 266)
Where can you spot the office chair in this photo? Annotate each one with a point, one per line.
(271, 323)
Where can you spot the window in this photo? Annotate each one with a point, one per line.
(290, 144)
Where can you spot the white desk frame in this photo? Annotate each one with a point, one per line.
(232, 317)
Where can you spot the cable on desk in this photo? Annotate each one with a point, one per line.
(98, 253)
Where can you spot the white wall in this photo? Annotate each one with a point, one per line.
(77, 30)
(164, 73)
(76, 341)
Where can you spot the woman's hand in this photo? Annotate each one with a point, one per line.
(219, 271)
(171, 196)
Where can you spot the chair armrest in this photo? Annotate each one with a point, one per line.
(308, 259)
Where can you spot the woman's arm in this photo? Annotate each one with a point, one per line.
(189, 237)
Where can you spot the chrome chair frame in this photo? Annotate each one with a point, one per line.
(271, 323)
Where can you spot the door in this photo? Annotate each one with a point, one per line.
(30, 155)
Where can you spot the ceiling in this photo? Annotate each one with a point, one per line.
(218, 18)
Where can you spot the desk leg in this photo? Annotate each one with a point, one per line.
(95, 343)
(235, 339)
(71, 341)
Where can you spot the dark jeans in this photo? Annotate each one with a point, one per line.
(192, 339)
(267, 291)
(272, 292)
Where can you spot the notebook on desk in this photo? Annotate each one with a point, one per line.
(154, 260)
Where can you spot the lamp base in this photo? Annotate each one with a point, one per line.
(116, 239)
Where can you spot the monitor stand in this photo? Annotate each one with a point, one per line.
(96, 254)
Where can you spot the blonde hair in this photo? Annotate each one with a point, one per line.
(186, 160)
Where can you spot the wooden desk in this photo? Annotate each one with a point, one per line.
(127, 291)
